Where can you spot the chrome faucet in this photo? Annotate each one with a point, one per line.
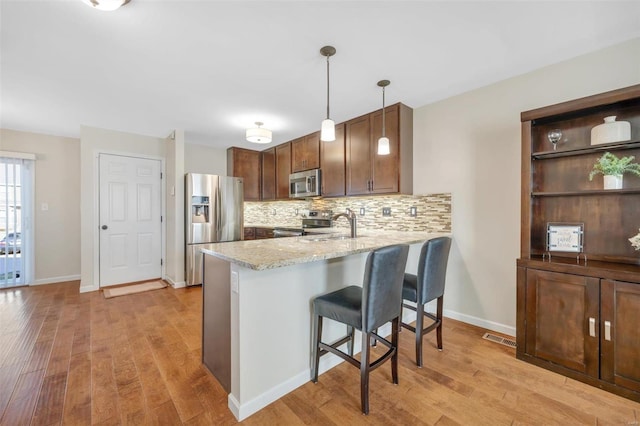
(351, 217)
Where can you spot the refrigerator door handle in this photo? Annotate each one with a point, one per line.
(218, 215)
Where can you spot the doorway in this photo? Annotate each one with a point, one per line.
(16, 219)
(130, 214)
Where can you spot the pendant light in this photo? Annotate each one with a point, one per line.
(328, 129)
(383, 142)
(259, 134)
(106, 5)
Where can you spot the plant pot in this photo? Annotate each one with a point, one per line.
(613, 182)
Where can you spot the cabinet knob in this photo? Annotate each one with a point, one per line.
(105, 227)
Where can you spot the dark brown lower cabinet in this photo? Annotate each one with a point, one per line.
(620, 334)
(580, 323)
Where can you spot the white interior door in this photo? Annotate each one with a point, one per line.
(130, 219)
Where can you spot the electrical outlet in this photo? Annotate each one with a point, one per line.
(413, 211)
(386, 211)
(361, 211)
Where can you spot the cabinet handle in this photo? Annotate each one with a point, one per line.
(607, 330)
(592, 327)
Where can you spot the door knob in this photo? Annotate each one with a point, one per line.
(104, 227)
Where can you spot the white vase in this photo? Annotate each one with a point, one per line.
(613, 182)
(611, 131)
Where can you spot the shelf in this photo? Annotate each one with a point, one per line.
(587, 193)
(615, 146)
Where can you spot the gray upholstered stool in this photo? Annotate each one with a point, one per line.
(365, 308)
(425, 287)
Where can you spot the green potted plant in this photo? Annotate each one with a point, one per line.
(613, 168)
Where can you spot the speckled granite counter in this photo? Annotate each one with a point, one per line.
(279, 252)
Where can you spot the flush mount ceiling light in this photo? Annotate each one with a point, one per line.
(383, 142)
(328, 129)
(106, 5)
(258, 134)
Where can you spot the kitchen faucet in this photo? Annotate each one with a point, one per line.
(351, 217)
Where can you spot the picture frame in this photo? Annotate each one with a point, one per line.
(565, 237)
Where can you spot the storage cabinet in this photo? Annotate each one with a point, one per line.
(579, 315)
(249, 233)
(268, 174)
(283, 170)
(332, 164)
(370, 173)
(245, 163)
(262, 233)
(305, 153)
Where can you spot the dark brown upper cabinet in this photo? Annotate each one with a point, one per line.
(370, 173)
(245, 163)
(283, 170)
(268, 173)
(305, 153)
(332, 165)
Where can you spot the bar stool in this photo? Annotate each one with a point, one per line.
(365, 308)
(425, 287)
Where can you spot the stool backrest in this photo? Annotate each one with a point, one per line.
(432, 268)
(382, 285)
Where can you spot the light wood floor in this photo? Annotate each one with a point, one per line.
(79, 359)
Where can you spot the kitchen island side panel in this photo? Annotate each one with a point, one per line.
(216, 319)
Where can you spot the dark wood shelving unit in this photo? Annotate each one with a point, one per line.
(578, 315)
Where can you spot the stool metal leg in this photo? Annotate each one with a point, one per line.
(395, 326)
(419, 334)
(317, 330)
(364, 373)
(439, 320)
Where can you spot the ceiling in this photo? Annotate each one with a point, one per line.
(212, 68)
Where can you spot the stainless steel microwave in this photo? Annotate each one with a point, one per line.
(304, 184)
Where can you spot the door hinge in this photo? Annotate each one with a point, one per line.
(160, 219)
(160, 175)
(161, 262)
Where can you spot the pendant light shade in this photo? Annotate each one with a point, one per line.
(259, 134)
(106, 5)
(328, 129)
(383, 143)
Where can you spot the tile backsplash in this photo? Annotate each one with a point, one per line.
(433, 212)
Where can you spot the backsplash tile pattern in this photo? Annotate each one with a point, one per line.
(433, 212)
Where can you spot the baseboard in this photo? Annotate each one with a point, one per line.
(55, 280)
(489, 325)
(87, 289)
(327, 362)
(172, 283)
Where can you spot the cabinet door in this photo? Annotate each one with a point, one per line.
(305, 153)
(245, 163)
(620, 334)
(562, 320)
(249, 233)
(333, 165)
(268, 157)
(358, 155)
(385, 172)
(283, 170)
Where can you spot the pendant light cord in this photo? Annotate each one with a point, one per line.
(327, 87)
(384, 133)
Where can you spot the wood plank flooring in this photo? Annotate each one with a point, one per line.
(79, 359)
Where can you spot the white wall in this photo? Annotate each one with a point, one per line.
(57, 183)
(94, 141)
(205, 159)
(174, 272)
(469, 145)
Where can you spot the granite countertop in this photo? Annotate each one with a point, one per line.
(278, 252)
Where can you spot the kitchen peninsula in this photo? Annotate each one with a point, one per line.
(257, 307)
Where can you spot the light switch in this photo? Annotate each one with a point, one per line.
(361, 211)
(413, 211)
(44, 207)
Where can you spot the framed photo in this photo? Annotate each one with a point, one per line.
(565, 237)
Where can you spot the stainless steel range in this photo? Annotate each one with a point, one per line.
(315, 220)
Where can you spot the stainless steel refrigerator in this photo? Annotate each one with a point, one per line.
(214, 213)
